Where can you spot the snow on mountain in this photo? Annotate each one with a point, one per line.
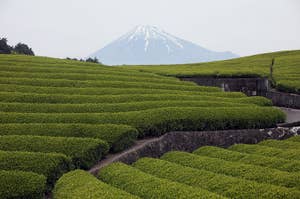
(152, 45)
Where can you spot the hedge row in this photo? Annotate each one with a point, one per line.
(21, 185)
(159, 121)
(102, 90)
(103, 83)
(235, 169)
(294, 139)
(291, 154)
(81, 184)
(234, 156)
(144, 185)
(118, 137)
(83, 99)
(84, 152)
(109, 107)
(224, 185)
(285, 145)
(92, 77)
(51, 165)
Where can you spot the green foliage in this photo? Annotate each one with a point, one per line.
(84, 152)
(118, 137)
(235, 156)
(285, 145)
(236, 169)
(144, 185)
(21, 185)
(294, 139)
(291, 154)
(286, 67)
(221, 184)
(81, 184)
(159, 121)
(50, 165)
(21, 48)
(4, 47)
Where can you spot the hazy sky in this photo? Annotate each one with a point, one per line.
(77, 28)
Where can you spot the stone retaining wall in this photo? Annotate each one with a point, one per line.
(189, 141)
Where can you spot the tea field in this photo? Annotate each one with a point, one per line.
(286, 70)
(59, 115)
(263, 170)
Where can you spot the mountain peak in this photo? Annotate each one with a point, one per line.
(147, 44)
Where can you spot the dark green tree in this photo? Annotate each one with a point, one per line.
(4, 47)
(21, 48)
(93, 60)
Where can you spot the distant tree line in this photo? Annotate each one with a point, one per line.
(90, 59)
(20, 48)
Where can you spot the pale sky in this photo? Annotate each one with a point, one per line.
(77, 28)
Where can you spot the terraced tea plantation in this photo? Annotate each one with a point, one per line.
(269, 169)
(58, 115)
(286, 70)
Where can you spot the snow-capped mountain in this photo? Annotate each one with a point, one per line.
(151, 45)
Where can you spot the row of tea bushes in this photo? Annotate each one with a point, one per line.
(84, 152)
(158, 121)
(253, 159)
(236, 169)
(225, 185)
(21, 185)
(51, 165)
(119, 137)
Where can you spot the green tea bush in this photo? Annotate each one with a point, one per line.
(51, 165)
(109, 107)
(236, 169)
(81, 184)
(118, 137)
(285, 145)
(291, 154)
(294, 139)
(84, 152)
(234, 156)
(224, 185)
(144, 185)
(84, 99)
(21, 185)
(159, 121)
(103, 83)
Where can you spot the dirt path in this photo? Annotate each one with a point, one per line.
(293, 115)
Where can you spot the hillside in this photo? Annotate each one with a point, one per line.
(286, 69)
(58, 115)
(269, 169)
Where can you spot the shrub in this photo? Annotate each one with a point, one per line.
(294, 139)
(224, 185)
(81, 184)
(234, 156)
(118, 137)
(84, 152)
(291, 154)
(144, 185)
(50, 165)
(21, 185)
(158, 121)
(235, 169)
(281, 144)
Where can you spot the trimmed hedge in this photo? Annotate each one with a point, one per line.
(285, 145)
(159, 121)
(50, 165)
(21, 185)
(119, 137)
(103, 83)
(234, 156)
(109, 107)
(224, 185)
(144, 185)
(235, 169)
(81, 184)
(291, 154)
(83, 99)
(100, 91)
(84, 152)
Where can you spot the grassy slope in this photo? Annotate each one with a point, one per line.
(286, 68)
